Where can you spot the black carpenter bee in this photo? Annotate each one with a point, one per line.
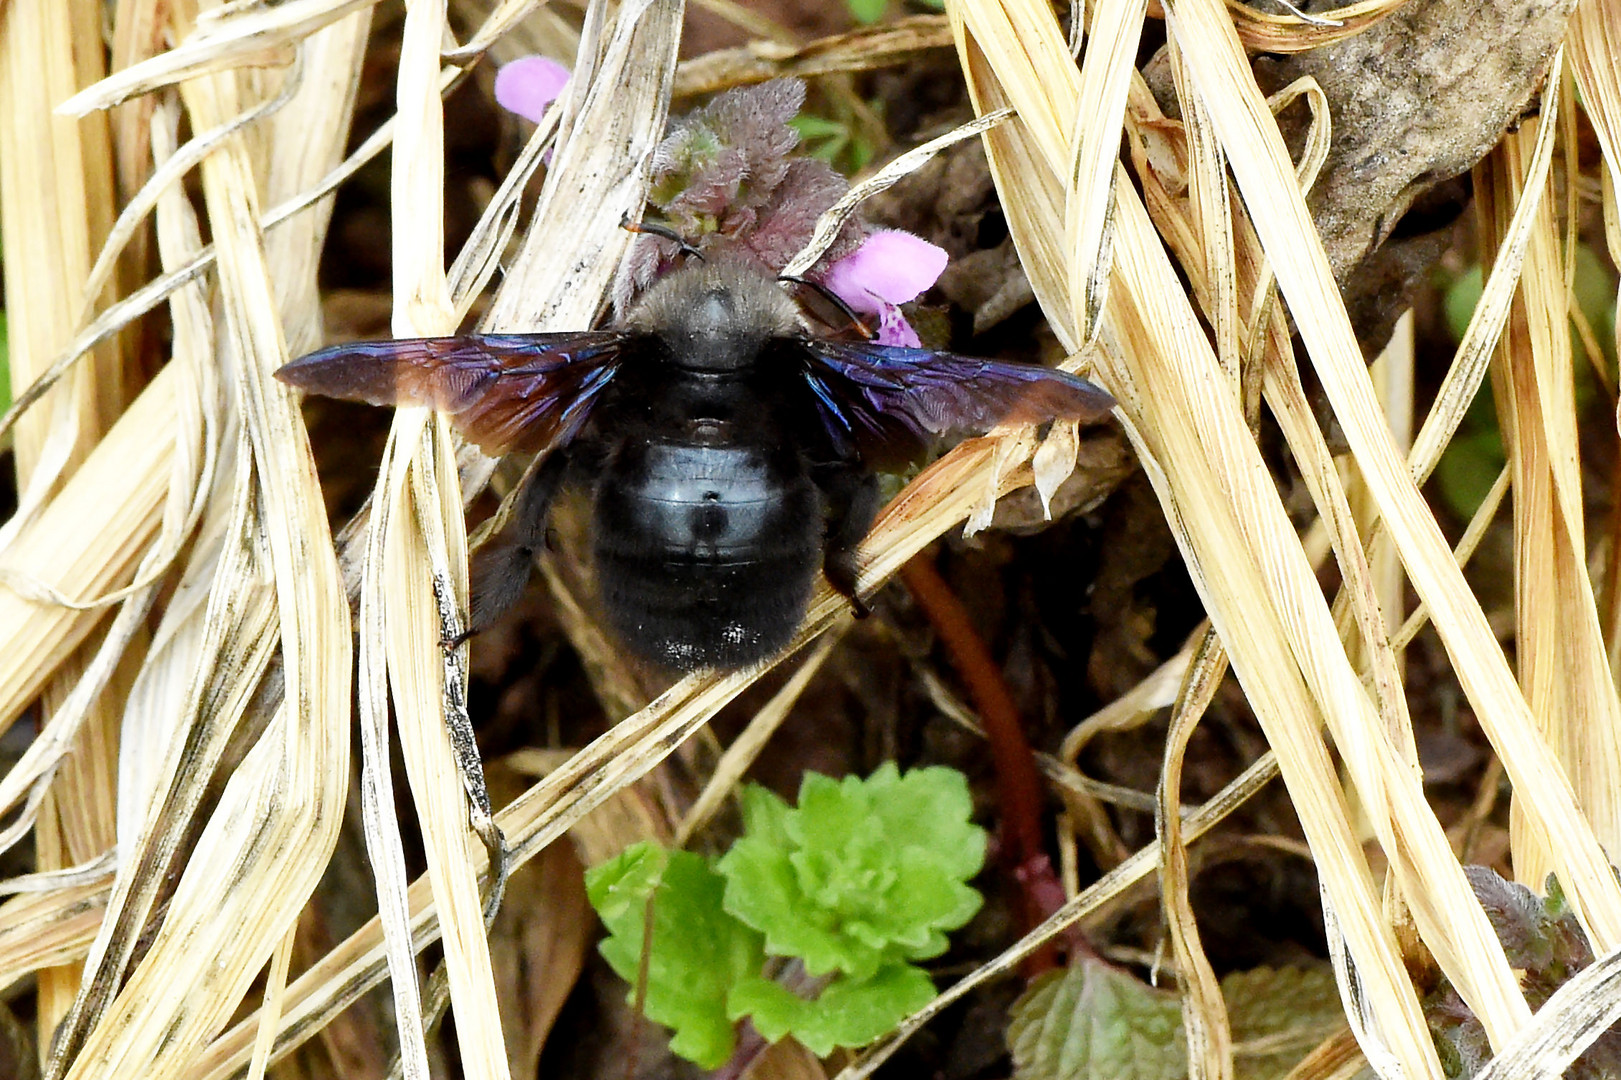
(728, 453)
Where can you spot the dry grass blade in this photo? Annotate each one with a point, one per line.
(1212, 223)
(1594, 42)
(306, 162)
(886, 45)
(507, 15)
(275, 986)
(39, 930)
(55, 207)
(1472, 536)
(1480, 337)
(1106, 73)
(249, 35)
(384, 845)
(621, 98)
(310, 194)
(414, 540)
(1258, 637)
(480, 257)
(1029, 195)
(236, 645)
(1287, 397)
(56, 199)
(1558, 642)
(1204, 1013)
(424, 557)
(192, 465)
(95, 872)
(1260, 654)
(1158, 691)
(1265, 32)
(89, 539)
(171, 169)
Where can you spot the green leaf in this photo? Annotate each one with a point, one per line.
(1459, 300)
(823, 139)
(1593, 289)
(1287, 1011)
(1094, 1022)
(1468, 468)
(862, 152)
(811, 127)
(847, 1012)
(699, 952)
(862, 874)
(868, 11)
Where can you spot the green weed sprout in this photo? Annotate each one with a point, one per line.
(810, 925)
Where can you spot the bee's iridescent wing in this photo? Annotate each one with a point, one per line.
(528, 392)
(892, 403)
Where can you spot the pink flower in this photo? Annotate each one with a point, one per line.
(893, 329)
(528, 85)
(890, 268)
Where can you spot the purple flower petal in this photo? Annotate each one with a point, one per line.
(889, 267)
(893, 329)
(528, 85)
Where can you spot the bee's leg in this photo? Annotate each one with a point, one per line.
(501, 571)
(853, 498)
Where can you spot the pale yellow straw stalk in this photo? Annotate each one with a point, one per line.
(1559, 644)
(56, 204)
(424, 557)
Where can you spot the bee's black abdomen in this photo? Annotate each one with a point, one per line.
(706, 554)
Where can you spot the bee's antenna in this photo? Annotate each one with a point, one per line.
(833, 298)
(664, 232)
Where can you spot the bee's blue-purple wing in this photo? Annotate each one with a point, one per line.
(528, 392)
(892, 404)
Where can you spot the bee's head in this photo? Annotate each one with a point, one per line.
(714, 317)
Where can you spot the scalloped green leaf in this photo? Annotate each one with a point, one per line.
(846, 1012)
(699, 952)
(1094, 1022)
(862, 873)
(1287, 1011)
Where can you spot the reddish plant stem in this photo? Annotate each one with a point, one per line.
(1018, 781)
